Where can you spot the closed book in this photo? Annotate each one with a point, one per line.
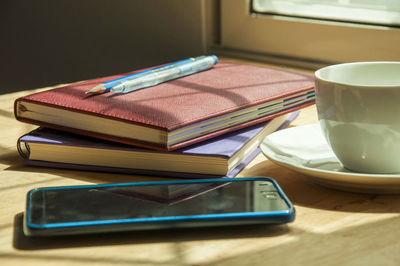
(174, 114)
(225, 155)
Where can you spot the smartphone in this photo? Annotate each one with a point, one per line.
(155, 205)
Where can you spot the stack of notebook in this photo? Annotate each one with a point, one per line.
(206, 124)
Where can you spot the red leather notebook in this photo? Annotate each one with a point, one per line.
(173, 114)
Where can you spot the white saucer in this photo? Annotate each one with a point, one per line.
(305, 150)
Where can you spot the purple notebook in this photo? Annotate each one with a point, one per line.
(224, 146)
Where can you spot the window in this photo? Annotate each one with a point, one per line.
(381, 12)
(312, 33)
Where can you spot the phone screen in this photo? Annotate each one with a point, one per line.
(119, 202)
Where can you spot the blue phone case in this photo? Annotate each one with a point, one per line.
(185, 221)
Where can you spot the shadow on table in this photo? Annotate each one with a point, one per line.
(327, 245)
(22, 242)
(86, 176)
(302, 192)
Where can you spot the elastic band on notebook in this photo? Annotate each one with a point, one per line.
(23, 152)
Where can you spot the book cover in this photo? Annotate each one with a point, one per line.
(225, 155)
(174, 114)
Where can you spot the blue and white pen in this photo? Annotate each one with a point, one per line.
(152, 77)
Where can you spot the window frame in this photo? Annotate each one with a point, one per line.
(311, 41)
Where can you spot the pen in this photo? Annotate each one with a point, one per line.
(106, 86)
(156, 76)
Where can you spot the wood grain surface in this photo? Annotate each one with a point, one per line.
(332, 227)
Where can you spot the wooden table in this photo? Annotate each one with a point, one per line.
(331, 228)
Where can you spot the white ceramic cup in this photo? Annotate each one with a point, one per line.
(358, 108)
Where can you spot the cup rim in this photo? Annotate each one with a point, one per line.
(318, 72)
